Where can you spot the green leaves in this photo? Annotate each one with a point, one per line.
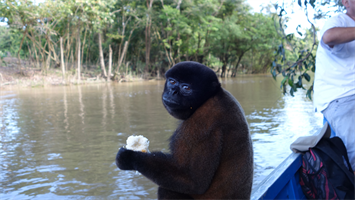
(309, 92)
(290, 72)
(115, 36)
(296, 55)
(299, 26)
(214, 32)
(283, 82)
(312, 2)
(306, 76)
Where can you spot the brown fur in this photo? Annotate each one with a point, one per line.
(211, 150)
(218, 147)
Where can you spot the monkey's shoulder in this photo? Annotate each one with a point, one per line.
(219, 113)
(223, 104)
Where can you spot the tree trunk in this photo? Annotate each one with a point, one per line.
(178, 50)
(224, 67)
(19, 49)
(88, 55)
(119, 56)
(51, 49)
(166, 51)
(102, 62)
(200, 58)
(72, 60)
(198, 47)
(31, 56)
(48, 62)
(67, 67)
(122, 55)
(147, 39)
(37, 58)
(120, 46)
(78, 51)
(158, 74)
(223, 73)
(83, 46)
(45, 62)
(109, 63)
(147, 50)
(62, 58)
(234, 72)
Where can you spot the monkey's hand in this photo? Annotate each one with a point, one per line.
(125, 159)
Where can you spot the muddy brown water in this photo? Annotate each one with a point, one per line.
(61, 142)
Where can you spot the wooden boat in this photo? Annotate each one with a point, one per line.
(283, 182)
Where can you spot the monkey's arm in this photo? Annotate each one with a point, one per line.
(189, 172)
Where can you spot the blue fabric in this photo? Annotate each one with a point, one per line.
(332, 134)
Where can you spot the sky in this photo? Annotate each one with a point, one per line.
(295, 13)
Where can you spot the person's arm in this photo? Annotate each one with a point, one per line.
(338, 35)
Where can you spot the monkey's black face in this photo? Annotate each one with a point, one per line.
(175, 93)
(188, 85)
(177, 98)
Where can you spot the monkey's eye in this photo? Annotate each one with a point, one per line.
(172, 82)
(185, 87)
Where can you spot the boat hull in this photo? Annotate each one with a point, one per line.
(283, 182)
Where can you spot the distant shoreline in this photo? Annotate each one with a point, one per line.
(29, 77)
(13, 75)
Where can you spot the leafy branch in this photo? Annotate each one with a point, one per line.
(305, 58)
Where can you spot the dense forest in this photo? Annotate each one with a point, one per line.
(115, 39)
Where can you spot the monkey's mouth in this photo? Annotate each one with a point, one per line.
(169, 102)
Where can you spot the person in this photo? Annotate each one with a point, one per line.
(334, 85)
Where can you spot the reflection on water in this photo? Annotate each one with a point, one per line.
(60, 142)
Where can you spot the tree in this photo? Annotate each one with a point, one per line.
(175, 25)
(37, 23)
(305, 55)
(148, 37)
(128, 20)
(147, 33)
(239, 33)
(100, 15)
(257, 35)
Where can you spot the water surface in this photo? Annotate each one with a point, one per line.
(61, 142)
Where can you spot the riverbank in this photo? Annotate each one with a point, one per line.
(13, 74)
(32, 77)
(24, 74)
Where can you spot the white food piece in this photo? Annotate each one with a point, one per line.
(137, 143)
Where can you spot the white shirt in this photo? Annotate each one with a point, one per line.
(335, 67)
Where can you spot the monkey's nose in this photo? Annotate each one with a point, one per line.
(173, 91)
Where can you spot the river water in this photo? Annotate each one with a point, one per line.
(61, 142)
